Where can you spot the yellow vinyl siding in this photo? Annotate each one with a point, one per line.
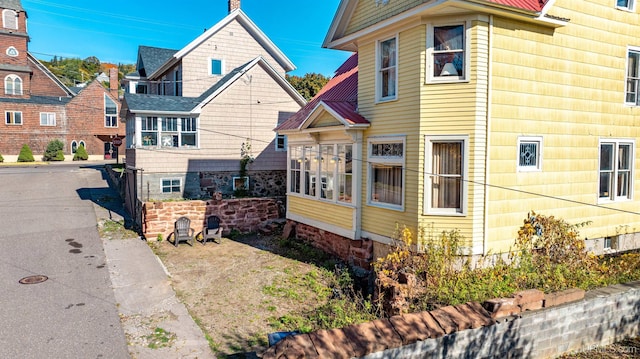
(469, 101)
(332, 214)
(367, 13)
(566, 85)
(393, 118)
(325, 120)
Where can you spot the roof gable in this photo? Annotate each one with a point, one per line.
(44, 70)
(239, 16)
(150, 59)
(339, 98)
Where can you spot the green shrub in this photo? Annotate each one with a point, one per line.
(54, 151)
(1, 159)
(81, 154)
(25, 154)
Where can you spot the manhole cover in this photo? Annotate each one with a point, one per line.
(33, 279)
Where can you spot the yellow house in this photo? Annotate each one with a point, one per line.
(478, 112)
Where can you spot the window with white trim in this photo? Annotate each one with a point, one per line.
(74, 146)
(445, 174)
(169, 132)
(188, 132)
(633, 77)
(171, 185)
(625, 4)
(150, 131)
(615, 170)
(110, 112)
(387, 82)
(216, 67)
(322, 171)
(12, 85)
(529, 154)
(446, 53)
(47, 119)
(9, 19)
(13, 117)
(386, 172)
(83, 144)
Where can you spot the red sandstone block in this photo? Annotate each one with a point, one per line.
(462, 322)
(444, 320)
(528, 296)
(484, 316)
(410, 328)
(435, 329)
(531, 306)
(332, 344)
(365, 338)
(476, 320)
(501, 307)
(390, 338)
(565, 296)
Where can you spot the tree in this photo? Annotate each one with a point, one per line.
(309, 84)
(25, 154)
(53, 151)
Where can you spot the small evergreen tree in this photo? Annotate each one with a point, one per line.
(81, 154)
(25, 154)
(54, 149)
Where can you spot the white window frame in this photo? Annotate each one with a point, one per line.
(428, 209)
(538, 165)
(49, 119)
(13, 116)
(631, 5)
(12, 51)
(210, 67)
(379, 70)
(14, 79)
(171, 186)
(430, 78)
(110, 119)
(632, 84)
(74, 146)
(188, 125)
(12, 13)
(616, 142)
(389, 161)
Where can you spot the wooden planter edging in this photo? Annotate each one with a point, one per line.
(530, 324)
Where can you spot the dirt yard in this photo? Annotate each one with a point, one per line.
(232, 289)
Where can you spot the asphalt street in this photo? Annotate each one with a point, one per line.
(48, 228)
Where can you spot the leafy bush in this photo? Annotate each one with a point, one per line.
(54, 151)
(1, 159)
(81, 154)
(25, 154)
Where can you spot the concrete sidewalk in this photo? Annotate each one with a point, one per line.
(156, 324)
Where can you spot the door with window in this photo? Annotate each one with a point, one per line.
(110, 151)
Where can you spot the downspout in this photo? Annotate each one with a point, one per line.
(488, 129)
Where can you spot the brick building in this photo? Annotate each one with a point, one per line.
(38, 108)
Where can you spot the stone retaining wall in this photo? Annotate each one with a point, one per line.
(602, 317)
(241, 214)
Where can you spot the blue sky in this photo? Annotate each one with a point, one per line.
(112, 30)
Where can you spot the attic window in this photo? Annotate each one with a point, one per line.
(9, 19)
(625, 4)
(216, 67)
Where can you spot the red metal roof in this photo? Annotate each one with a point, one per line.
(533, 5)
(340, 94)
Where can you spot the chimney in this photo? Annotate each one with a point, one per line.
(233, 5)
(113, 82)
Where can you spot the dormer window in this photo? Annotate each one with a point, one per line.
(9, 19)
(12, 85)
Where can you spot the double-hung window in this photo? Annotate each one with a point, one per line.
(445, 174)
(149, 131)
(295, 168)
(616, 170)
(447, 53)
(110, 112)
(13, 118)
(633, 77)
(188, 132)
(386, 172)
(387, 81)
(281, 142)
(625, 4)
(47, 119)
